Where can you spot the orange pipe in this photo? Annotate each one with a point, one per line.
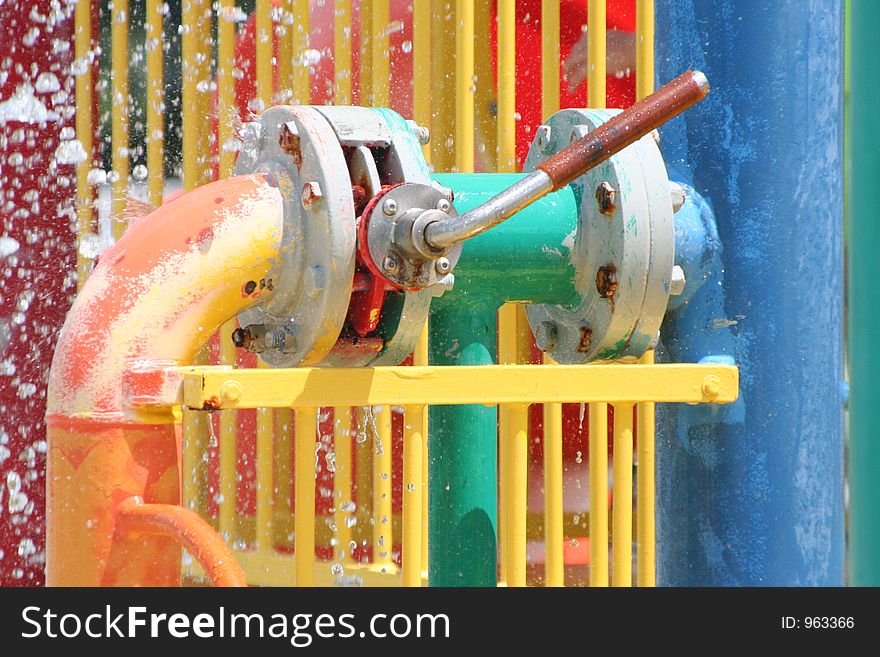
(189, 530)
(172, 280)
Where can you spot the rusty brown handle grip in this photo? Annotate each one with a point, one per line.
(629, 126)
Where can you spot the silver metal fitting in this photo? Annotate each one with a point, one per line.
(389, 264)
(443, 266)
(389, 207)
(677, 283)
(444, 205)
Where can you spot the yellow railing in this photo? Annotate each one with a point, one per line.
(449, 54)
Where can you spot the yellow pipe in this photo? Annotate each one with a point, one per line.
(506, 356)
(304, 496)
(599, 494)
(155, 104)
(382, 535)
(420, 357)
(506, 86)
(264, 471)
(644, 48)
(285, 28)
(365, 68)
(226, 90)
(553, 492)
(364, 474)
(549, 57)
(264, 54)
(301, 74)
(281, 509)
(412, 496)
(342, 494)
(621, 565)
(227, 443)
(464, 86)
(84, 133)
(596, 54)
(442, 84)
(191, 125)
(119, 64)
(645, 488)
(342, 63)
(381, 76)
(422, 66)
(484, 96)
(517, 487)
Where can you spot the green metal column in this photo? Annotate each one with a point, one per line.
(864, 297)
(527, 258)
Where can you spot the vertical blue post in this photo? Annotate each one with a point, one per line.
(753, 494)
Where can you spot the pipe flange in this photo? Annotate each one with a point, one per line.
(622, 251)
(399, 157)
(389, 225)
(312, 281)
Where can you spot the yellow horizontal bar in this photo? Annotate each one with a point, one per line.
(213, 389)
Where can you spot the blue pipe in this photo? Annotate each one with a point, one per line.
(753, 494)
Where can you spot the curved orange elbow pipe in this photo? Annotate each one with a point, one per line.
(155, 296)
(187, 528)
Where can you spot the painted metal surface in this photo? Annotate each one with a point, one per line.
(864, 268)
(752, 494)
(155, 295)
(626, 244)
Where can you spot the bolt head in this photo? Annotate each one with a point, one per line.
(389, 207)
(606, 281)
(676, 195)
(442, 265)
(288, 138)
(311, 192)
(677, 282)
(443, 205)
(389, 264)
(711, 387)
(605, 197)
(231, 391)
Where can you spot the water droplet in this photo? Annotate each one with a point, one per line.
(139, 172)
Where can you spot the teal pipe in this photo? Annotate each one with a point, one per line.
(864, 298)
(525, 259)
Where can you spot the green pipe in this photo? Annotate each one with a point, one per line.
(864, 298)
(525, 259)
(462, 457)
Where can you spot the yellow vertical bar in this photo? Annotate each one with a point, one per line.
(621, 527)
(304, 496)
(227, 442)
(301, 43)
(420, 357)
(204, 75)
(342, 448)
(155, 103)
(645, 489)
(517, 486)
(264, 467)
(464, 86)
(506, 356)
(413, 491)
(281, 489)
(190, 75)
(364, 474)
(484, 96)
(84, 132)
(226, 89)
(382, 536)
(506, 86)
(342, 33)
(596, 53)
(120, 108)
(549, 57)
(264, 54)
(285, 29)
(422, 66)
(442, 84)
(553, 491)
(381, 65)
(644, 48)
(365, 60)
(599, 494)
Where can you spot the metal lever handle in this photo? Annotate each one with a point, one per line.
(580, 156)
